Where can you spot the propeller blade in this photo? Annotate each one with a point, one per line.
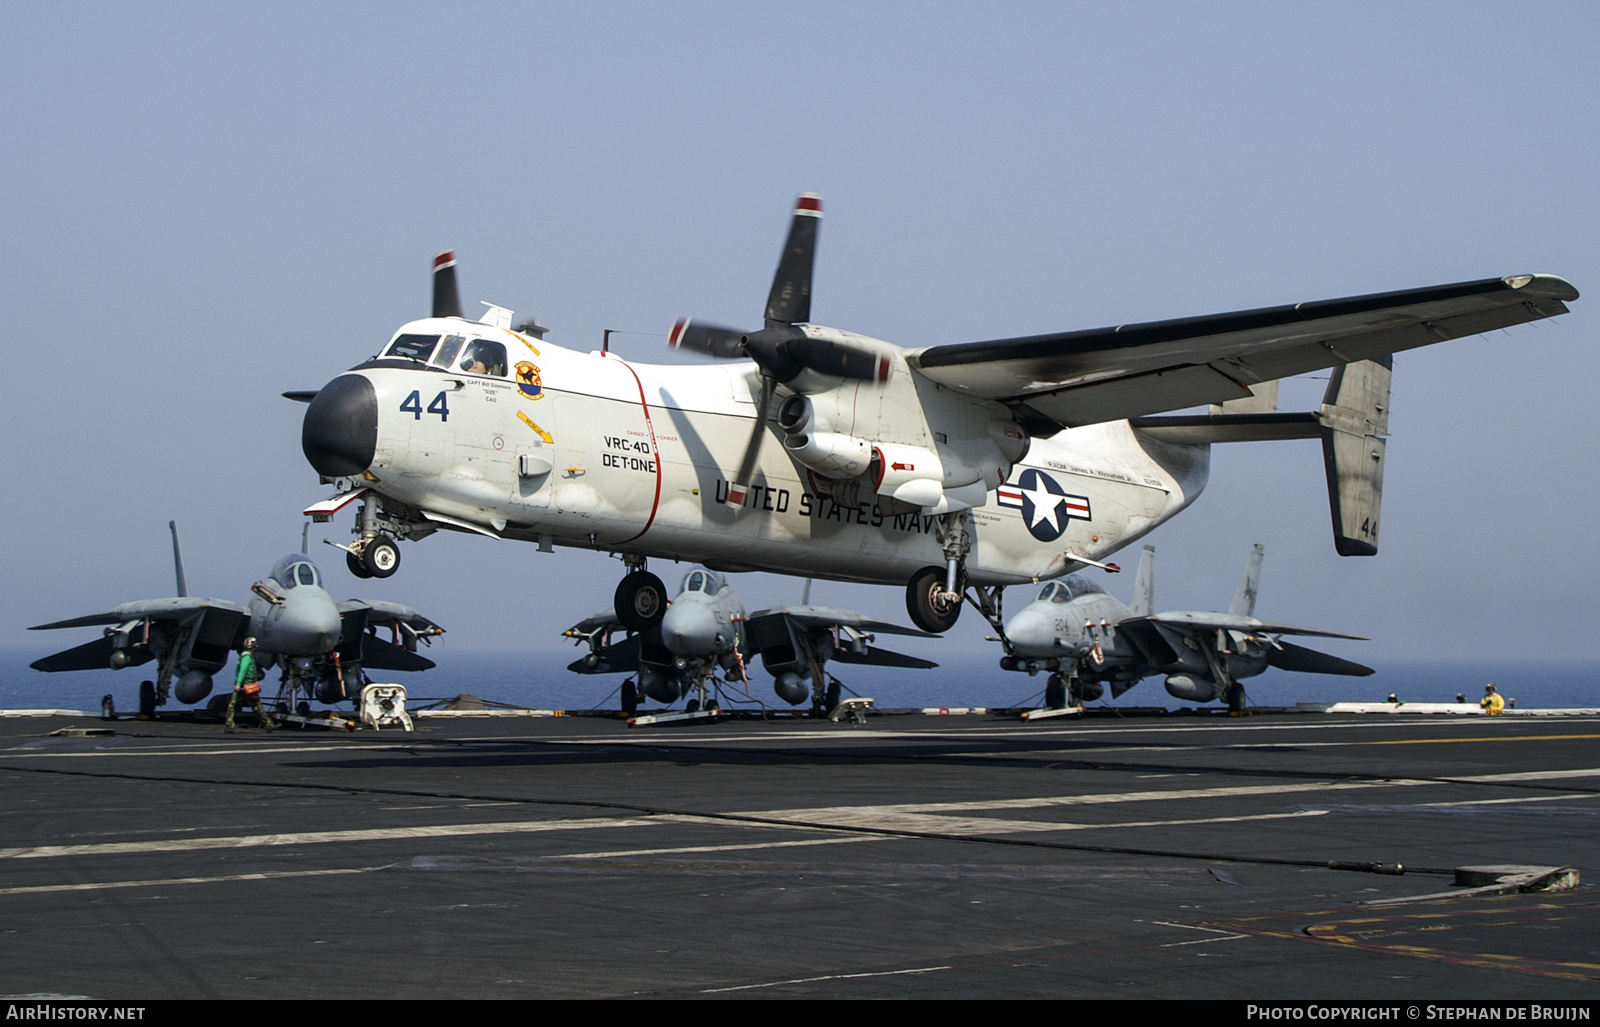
(752, 450)
(825, 356)
(710, 340)
(446, 300)
(790, 299)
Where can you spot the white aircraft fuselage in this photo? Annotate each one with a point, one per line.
(591, 450)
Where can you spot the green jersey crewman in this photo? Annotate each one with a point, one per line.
(247, 688)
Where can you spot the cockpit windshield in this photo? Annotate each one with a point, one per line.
(484, 356)
(1072, 587)
(295, 569)
(412, 347)
(447, 353)
(698, 580)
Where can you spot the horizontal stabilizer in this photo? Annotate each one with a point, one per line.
(94, 655)
(1308, 661)
(883, 658)
(376, 654)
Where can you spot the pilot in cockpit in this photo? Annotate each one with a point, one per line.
(484, 357)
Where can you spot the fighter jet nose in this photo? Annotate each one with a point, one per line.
(340, 432)
(1031, 634)
(689, 629)
(309, 624)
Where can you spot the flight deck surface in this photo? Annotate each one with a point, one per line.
(972, 857)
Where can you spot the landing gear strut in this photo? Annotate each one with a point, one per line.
(933, 598)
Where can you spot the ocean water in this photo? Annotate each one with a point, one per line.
(541, 680)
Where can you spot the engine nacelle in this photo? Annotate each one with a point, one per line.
(791, 688)
(831, 453)
(1191, 688)
(192, 687)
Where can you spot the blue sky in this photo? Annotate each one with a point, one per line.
(207, 204)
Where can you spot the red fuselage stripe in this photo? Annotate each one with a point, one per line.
(655, 450)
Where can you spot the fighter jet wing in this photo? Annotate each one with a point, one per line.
(145, 609)
(376, 654)
(1105, 374)
(94, 655)
(619, 658)
(1236, 622)
(381, 612)
(830, 616)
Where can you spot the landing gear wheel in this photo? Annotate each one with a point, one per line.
(925, 603)
(831, 697)
(381, 557)
(692, 706)
(147, 699)
(641, 601)
(1055, 693)
(1235, 696)
(630, 698)
(356, 567)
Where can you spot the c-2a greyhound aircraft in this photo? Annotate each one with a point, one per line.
(1087, 639)
(706, 630)
(322, 646)
(941, 468)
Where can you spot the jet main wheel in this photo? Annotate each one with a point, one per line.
(830, 698)
(924, 602)
(381, 557)
(630, 698)
(359, 569)
(641, 601)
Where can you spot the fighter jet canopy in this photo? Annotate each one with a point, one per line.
(1072, 587)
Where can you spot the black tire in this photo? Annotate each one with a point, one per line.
(630, 698)
(1055, 692)
(1236, 697)
(926, 612)
(640, 601)
(692, 706)
(147, 699)
(381, 557)
(831, 696)
(353, 562)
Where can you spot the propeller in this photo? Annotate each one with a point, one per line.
(782, 351)
(446, 298)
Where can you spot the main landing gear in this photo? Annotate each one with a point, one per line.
(376, 558)
(933, 597)
(641, 598)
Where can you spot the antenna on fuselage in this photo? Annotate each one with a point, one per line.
(177, 561)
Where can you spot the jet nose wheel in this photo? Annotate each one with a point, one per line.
(929, 605)
(355, 566)
(641, 601)
(381, 557)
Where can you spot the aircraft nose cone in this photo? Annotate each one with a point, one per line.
(689, 629)
(1031, 634)
(308, 625)
(340, 432)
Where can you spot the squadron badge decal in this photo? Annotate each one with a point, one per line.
(1046, 507)
(528, 380)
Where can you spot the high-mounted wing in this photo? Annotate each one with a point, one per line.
(1105, 374)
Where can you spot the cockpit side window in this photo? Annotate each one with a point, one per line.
(484, 356)
(447, 352)
(412, 347)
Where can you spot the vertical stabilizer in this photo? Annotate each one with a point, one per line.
(1144, 584)
(1355, 418)
(177, 560)
(1244, 600)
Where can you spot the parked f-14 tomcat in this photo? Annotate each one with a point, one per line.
(1087, 639)
(322, 646)
(943, 468)
(706, 631)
